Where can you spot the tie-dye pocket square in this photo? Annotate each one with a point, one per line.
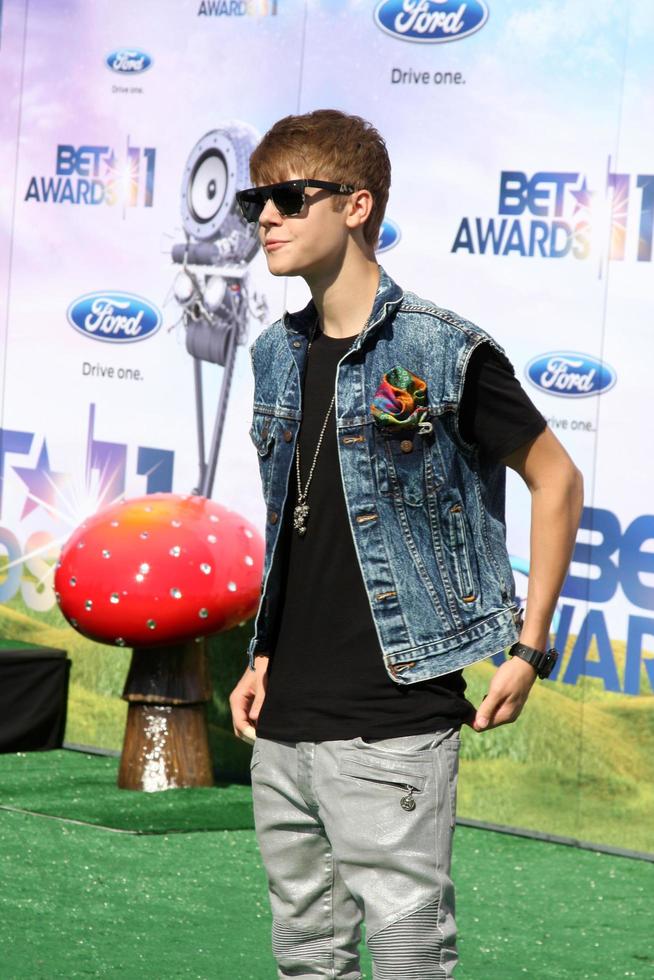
(400, 401)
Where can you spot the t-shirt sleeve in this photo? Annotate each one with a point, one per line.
(496, 413)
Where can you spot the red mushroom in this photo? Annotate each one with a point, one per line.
(160, 572)
(160, 569)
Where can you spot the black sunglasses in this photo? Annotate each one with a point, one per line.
(287, 196)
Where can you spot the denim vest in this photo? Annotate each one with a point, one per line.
(426, 512)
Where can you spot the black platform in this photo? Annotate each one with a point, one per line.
(33, 697)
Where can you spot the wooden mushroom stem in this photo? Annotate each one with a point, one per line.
(166, 737)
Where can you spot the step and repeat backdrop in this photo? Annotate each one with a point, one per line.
(522, 198)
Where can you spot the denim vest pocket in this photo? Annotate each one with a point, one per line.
(459, 539)
(262, 433)
(401, 464)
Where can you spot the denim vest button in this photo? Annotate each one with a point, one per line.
(296, 343)
(288, 435)
(273, 517)
(406, 446)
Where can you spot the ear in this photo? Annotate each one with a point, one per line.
(358, 209)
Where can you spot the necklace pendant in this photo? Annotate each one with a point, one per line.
(300, 514)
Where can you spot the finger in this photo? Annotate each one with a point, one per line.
(486, 712)
(240, 717)
(248, 734)
(256, 707)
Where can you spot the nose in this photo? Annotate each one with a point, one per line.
(270, 215)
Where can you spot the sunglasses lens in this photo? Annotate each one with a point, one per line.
(287, 200)
(251, 205)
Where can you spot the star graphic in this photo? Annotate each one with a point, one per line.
(109, 161)
(44, 486)
(583, 197)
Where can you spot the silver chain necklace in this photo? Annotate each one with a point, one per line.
(301, 510)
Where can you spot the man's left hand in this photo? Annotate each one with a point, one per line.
(506, 696)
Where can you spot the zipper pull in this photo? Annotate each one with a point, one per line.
(424, 428)
(407, 802)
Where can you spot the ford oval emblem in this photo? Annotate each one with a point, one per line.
(569, 374)
(431, 21)
(116, 318)
(389, 235)
(128, 61)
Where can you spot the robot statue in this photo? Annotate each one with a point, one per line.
(212, 286)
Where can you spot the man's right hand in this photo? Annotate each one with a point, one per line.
(247, 697)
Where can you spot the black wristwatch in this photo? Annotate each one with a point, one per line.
(542, 662)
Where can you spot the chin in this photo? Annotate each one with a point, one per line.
(280, 268)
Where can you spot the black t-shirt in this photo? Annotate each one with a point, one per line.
(326, 677)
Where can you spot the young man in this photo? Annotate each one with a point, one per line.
(383, 425)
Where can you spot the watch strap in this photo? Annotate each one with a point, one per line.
(542, 661)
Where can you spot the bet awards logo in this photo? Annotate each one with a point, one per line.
(430, 21)
(97, 175)
(237, 8)
(554, 214)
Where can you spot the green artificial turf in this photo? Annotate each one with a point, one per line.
(78, 901)
(78, 786)
(579, 762)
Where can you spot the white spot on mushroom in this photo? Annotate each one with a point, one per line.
(247, 532)
(144, 535)
(106, 553)
(231, 586)
(88, 605)
(203, 613)
(175, 551)
(205, 568)
(249, 560)
(176, 593)
(151, 624)
(144, 568)
(213, 518)
(114, 598)
(211, 538)
(119, 641)
(73, 581)
(176, 523)
(115, 524)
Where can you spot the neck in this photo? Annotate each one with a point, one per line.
(344, 298)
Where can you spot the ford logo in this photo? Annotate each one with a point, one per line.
(117, 318)
(128, 61)
(569, 374)
(389, 235)
(431, 21)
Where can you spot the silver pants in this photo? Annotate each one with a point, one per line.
(350, 829)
